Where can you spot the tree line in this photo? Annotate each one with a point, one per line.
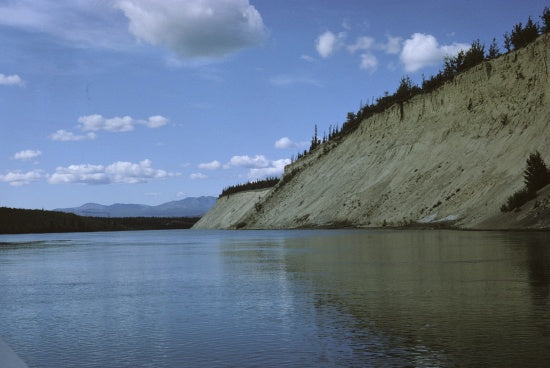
(21, 221)
(519, 37)
(250, 185)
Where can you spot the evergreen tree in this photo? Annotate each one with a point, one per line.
(404, 91)
(494, 51)
(545, 20)
(536, 175)
(507, 42)
(522, 36)
(474, 56)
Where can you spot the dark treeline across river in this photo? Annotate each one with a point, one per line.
(20, 221)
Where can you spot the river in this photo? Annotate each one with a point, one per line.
(311, 298)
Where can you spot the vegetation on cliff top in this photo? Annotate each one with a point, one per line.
(250, 185)
(519, 37)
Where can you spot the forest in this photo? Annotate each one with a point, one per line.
(21, 221)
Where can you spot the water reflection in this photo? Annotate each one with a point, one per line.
(538, 260)
(435, 298)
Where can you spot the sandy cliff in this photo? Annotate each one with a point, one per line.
(230, 210)
(454, 155)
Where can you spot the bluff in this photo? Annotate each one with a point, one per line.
(451, 156)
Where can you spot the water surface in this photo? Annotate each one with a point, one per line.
(277, 298)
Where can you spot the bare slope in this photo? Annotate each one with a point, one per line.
(230, 209)
(454, 154)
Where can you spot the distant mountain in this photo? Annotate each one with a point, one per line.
(188, 207)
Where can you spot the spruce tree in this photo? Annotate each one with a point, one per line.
(536, 174)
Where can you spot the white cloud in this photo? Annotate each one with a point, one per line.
(117, 172)
(127, 172)
(286, 143)
(198, 176)
(422, 50)
(362, 43)
(96, 122)
(309, 59)
(195, 28)
(259, 166)
(275, 168)
(27, 155)
(328, 42)
(393, 45)
(84, 173)
(156, 121)
(368, 62)
(258, 161)
(18, 178)
(118, 124)
(81, 23)
(213, 165)
(11, 80)
(65, 136)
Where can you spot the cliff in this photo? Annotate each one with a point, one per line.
(452, 156)
(230, 210)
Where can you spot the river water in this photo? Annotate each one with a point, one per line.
(322, 298)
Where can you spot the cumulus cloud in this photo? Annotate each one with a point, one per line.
(258, 161)
(368, 62)
(259, 166)
(117, 172)
(18, 178)
(287, 143)
(118, 124)
(327, 43)
(65, 136)
(11, 80)
(275, 168)
(90, 124)
(197, 176)
(195, 28)
(26, 155)
(422, 50)
(362, 43)
(213, 165)
(156, 121)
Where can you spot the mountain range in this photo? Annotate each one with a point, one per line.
(188, 207)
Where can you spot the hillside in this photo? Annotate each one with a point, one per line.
(188, 207)
(453, 155)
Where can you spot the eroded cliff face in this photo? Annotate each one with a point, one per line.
(230, 210)
(452, 155)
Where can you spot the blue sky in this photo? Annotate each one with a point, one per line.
(136, 101)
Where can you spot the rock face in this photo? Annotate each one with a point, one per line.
(454, 155)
